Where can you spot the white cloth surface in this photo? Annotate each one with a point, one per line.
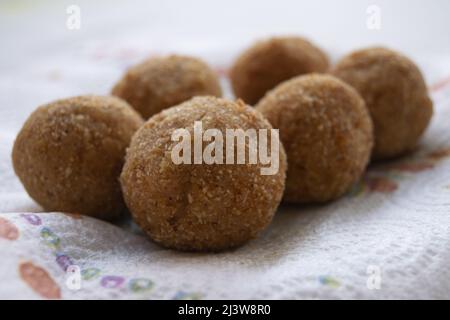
(397, 220)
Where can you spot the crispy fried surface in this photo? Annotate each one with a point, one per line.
(270, 62)
(327, 134)
(160, 83)
(69, 154)
(198, 207)
(395, 93)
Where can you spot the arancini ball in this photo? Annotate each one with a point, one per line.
(270, 62)
(326, 131)
(396, 95)
(69, 154)
(199, 207)
(162, 82)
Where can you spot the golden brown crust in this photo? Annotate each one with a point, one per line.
(395, 93)
(327, 134)
(160, 83)
(270, 62)
(198, 207)
(70, 152)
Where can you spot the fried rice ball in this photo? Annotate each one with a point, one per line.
(162, 82)
(327, 134)
(199, 207)
(270, 62)
(69, 154)
(396, 95)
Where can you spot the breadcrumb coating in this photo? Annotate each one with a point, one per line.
(69, 154)
(396, 95)
(199, 207)
(270, 62)
(163, 82)
(327, 134)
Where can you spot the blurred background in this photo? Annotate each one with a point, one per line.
(55, 49)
